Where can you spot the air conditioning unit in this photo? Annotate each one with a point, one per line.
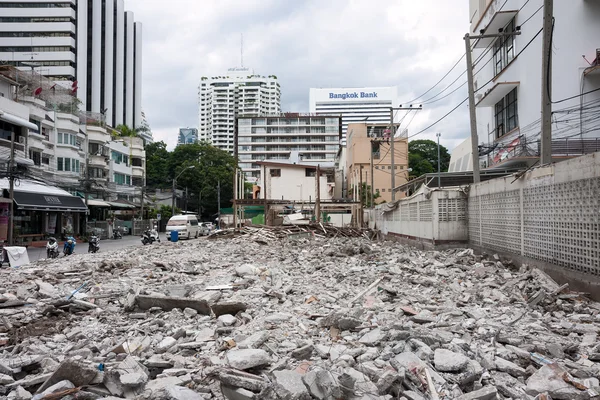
(22, 139)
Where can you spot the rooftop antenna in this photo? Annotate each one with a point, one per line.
(242, 48)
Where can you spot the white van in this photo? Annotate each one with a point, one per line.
(185, 225)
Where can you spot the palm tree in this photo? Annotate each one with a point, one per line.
(126, 131)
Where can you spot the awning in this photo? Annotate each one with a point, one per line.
(499, 21)
(97, 203)
(44, 202)
(496, 93)
(13, 119)
(120, 205)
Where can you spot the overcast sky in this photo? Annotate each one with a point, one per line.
(306, 43)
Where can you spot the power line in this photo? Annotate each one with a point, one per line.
(440, 81)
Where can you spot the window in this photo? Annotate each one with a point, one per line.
(504, 49)
(60, 137)
(119, 178)
(506, 114)
(275, 172)
(310, 172)
(59, 163)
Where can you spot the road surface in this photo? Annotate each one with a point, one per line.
(82, 247)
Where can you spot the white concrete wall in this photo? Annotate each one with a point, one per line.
(129, 68)
(433, 216)
(109, 72)
(120, 64)
(549, 215)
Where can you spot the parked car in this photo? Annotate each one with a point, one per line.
(186, 226)
(204, 229)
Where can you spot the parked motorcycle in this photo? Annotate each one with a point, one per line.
(52, 248)
(69, 247)
(94, 244)
(117, 234)
(150, 236)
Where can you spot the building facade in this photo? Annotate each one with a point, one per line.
(145, 130)
(508, 80)
(354, 104)
(295, 182)
(286, 138)
(371, 143)
(222, 98)
(187, 136)
(93, 48)
(62, 146)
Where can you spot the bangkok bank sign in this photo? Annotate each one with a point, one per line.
(353, 95)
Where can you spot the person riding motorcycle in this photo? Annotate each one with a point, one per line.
(69, 247)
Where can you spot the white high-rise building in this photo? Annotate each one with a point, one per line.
(92, 47)
(354, 104)
(222, 98)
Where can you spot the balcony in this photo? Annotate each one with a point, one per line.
(137, 171)
(98, 161)
(499, 19)
(97, 134)
(496, 93)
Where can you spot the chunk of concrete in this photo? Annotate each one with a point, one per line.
(229, 307)
(56, 388)
(133, 379)
(509, 367)
(166, 344)
(322, 384)
(227, 319)
(239, 379)
(343, 319)
(232, 393)
(549, 379)
(289, 385)
(372, 338)
(181, 393)
(254, 341)
(486, 393)
(168, 303)
(449, 361)
(247, 358)
(20, 394)
(6, 379)
(79, 373)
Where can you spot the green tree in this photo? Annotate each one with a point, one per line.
(126, 131)
(211, 167)
(365, 196)
(164, 211)
(427, 151)
(419, 165)
(157, 166)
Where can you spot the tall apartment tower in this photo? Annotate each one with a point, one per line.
(222, 98)
(93, 47)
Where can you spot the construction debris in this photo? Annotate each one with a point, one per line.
(294, 312)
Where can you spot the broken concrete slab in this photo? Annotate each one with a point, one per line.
(485, 393)
(549, 379)
(239, 379)
(77, 372)
(322, 384)
(232, 393)
(373, 337)
(56, 388)
(247, 358)
(254, 341)
(289, 385)
(169, 303)
(230, 307)
(509, 367)
(448, 361)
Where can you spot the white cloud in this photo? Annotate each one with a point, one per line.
(308, 43)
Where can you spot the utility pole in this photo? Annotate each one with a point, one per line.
(472, 113)
(360, 196)
(546, 139)
(173, 198)
(318, 196)
(87, 182)
(439, 164)
(372, 178)
(219, 202)
(11, 169)
(186, 199)
(392, 138)
(236, 183)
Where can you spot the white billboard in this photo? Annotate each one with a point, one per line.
(343, 95)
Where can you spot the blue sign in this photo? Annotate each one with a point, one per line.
(353, 95)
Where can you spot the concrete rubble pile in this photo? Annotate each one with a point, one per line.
(292, 319)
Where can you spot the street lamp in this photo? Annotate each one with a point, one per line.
(175, 187)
